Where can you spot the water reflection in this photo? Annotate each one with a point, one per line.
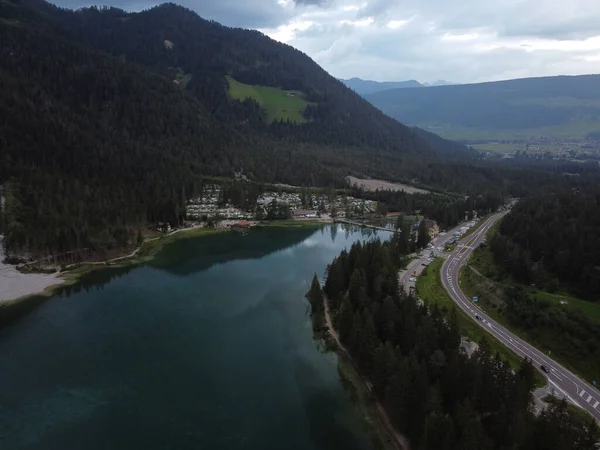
(184, 257)
(222, 359)
(187, 256)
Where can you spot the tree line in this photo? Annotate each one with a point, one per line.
(553, 240)
(436, 395)
(447, 210)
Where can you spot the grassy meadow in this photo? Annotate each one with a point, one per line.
(279, 104)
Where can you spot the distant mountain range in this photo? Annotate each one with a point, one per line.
(439, 83)
(561, 107)
(366, 87)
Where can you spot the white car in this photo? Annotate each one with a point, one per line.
(412, 279)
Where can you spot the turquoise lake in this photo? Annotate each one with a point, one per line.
(209, 346)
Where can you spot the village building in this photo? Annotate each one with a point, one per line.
(303, 214)
(432, 228)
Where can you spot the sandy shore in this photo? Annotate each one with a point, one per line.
(14, 284)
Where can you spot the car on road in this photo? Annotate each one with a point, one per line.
(413, 279)
(477, 317)
(424, 264)
(544, 368)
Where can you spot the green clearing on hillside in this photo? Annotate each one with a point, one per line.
(183, 78)
(279, 104)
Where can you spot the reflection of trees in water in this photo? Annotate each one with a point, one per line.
(96, 280)
(181, 257)
(323, 409)
(368, 232)
(93, 280)
(187, 256)
(334, 230)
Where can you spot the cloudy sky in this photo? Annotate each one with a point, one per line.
(460, 41)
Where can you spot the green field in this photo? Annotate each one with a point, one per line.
(430, 289)
(279, 104)
(183, 78)
(592, 310)
(499, 147)
(576, 129)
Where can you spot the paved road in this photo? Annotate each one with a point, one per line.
(575, 389)
(415, 267)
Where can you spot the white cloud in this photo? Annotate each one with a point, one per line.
(463, 41)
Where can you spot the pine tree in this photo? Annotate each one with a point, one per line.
(438, 433)
(315, 296)
(423, 237)
(400, 222)
(368, 343)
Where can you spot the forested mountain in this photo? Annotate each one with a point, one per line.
(553, 237)
(93, 146)
(365, 87)
(173, 40)
(434, 393)
(537, 106)
(110, 119)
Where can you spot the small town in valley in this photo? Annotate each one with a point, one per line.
(211, 208)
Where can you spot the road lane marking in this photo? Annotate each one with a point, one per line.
(516, 344)
(564, 393)
(559, 378)
(582, 393)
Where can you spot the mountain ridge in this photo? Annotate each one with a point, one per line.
(139, 38)
(365, 87)
(566, 106)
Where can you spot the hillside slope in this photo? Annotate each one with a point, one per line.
(94, 146)
(564, 107)
(175, 41)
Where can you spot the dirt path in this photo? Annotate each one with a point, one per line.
(400, 439)
(133, 253)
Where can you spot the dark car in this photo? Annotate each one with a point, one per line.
(477, 317)
(544, 368)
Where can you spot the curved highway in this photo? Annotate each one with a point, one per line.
(570, 385)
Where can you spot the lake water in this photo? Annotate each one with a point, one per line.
(208, 347)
